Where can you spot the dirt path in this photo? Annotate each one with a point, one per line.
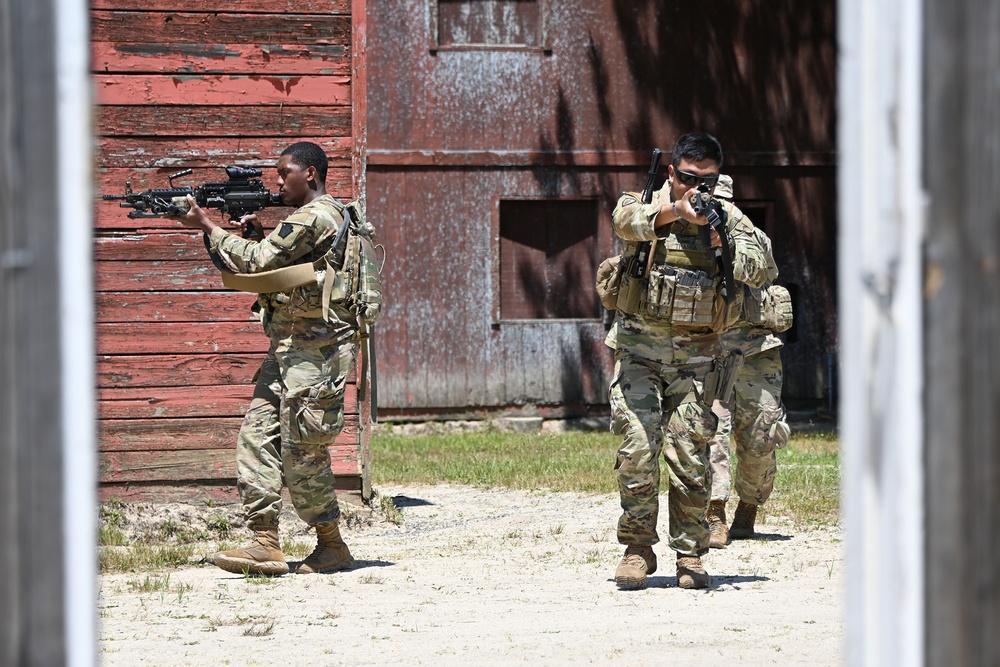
(492, 577)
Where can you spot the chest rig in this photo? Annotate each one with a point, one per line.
(681, 283)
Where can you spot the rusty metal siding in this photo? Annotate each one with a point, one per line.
(451, 131)
(185, 84)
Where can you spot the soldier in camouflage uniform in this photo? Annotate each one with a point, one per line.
(759, 417)
(298, 401)
(666, 350)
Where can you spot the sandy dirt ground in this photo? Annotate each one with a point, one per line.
(475, 577)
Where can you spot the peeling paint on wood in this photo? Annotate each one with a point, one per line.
(210, 152)
(279, 7)
(222, 89)
(184, 84)
(265, 121)
(176, 370)
(180, 338)
(177, 402)
(325, 59)
(132, 435)
(206, 464)
(168, 27)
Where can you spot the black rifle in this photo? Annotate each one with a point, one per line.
(636, 264)
(711, 208)
(243, 193)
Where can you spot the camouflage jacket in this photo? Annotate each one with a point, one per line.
(302, 237)
(656, 339)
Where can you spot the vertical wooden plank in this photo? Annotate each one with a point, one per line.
(32, 620)
(879, 255)
(962, 169)
(359, 156)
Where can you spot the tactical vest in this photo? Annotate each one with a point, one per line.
(681, 285)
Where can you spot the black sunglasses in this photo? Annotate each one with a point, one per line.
(691, 180)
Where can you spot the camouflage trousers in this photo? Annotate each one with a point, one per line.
(641, 395)
(757, 424)
(296, 412)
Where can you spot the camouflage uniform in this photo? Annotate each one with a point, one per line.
(758, 421)
(656, 394)
(298, 401)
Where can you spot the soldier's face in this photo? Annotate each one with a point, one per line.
(294, 182)
(689, 175)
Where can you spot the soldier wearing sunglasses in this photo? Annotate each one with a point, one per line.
(669, 364)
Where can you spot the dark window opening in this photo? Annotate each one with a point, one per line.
(547, 259)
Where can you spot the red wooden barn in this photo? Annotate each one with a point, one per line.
(198, 84)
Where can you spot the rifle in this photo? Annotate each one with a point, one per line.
(243, 193)
(705, 204)
(637, 263)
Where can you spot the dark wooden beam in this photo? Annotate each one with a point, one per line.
(962, 169)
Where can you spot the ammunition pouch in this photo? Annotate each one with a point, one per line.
(688, 299)
(631, 282)
(768, 308)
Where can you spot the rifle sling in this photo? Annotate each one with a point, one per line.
(265, 282)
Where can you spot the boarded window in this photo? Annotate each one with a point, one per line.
(547, 259)
(489, 23)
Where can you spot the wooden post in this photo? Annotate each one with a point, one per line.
(880, 232)
(962, 286)
(47, 551)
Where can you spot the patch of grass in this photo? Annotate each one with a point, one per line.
(111, 523)
(806, 489)
(389, 510)
(150, 584)
(144, 557)
(561, 462)
(220, 526)
(111, 536)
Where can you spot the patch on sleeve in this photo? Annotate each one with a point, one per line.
(285, 229)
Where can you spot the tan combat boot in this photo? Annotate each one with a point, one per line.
(262, 556)
(638, 561)
(719, 536)
(743, 520)
(691, 573)
(330, 554)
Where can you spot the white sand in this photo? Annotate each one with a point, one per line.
(477, 577)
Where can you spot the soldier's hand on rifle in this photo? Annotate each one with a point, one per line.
(250, 220)
(701, 220)
(683, 209)
(195, 218)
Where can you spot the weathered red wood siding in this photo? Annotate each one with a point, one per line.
(453, 131)
(198, 84)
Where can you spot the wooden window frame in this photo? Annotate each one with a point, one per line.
(543, 47)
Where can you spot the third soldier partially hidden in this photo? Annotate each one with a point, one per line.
(757, 423)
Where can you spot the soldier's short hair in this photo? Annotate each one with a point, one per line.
(696, 146)
(307, 154)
